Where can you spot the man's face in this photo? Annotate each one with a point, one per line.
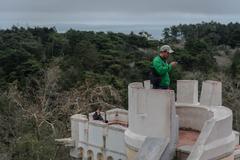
(98, 111)
(165, 54)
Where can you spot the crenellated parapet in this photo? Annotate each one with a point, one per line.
(213, 121)
(155, 126)
(92, 139)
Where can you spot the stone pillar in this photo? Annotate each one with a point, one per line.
(78, 123)
(149, 113)
(187, 91)
(147, 84)
(211, 94)
(76, 120)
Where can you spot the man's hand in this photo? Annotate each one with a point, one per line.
(173, 63)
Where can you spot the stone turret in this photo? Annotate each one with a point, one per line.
(152, 113)
(155, 126)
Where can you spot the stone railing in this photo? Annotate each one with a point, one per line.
(217, 139)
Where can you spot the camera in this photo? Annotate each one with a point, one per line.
(179, 61)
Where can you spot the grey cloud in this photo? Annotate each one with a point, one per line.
(130, 6)
(118, 11)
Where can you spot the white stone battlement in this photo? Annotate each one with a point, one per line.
(214, 121)
(187, 92)
(211, 93)
(153, 114)
(96, 139)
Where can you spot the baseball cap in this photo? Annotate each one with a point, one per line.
(166, 48)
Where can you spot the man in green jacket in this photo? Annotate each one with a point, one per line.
(160, 68)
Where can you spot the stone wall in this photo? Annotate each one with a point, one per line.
(99, 140)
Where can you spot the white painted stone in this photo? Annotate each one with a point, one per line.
(117, 114)
(96, 130)
(132, 96)
(187, 91)
(211, 94)
(151, 113)
(67, 142)
(115, 139)
(152, 148)
(193, 117)
(223, 123)
(74, 152)
(236, 154)
(133, 140)
(97, 136)
(75, 120)
(82, 130)
(115, 156)
(219, 148)
(174, 131)
(236, 137)
(147, 84)
(155, 105)
(216, 140)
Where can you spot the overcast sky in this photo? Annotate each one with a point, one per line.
(160, 12)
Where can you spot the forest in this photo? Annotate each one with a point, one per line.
(47, 76)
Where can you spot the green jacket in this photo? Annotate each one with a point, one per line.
(162, 68)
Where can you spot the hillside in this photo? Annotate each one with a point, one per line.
(47, 76)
